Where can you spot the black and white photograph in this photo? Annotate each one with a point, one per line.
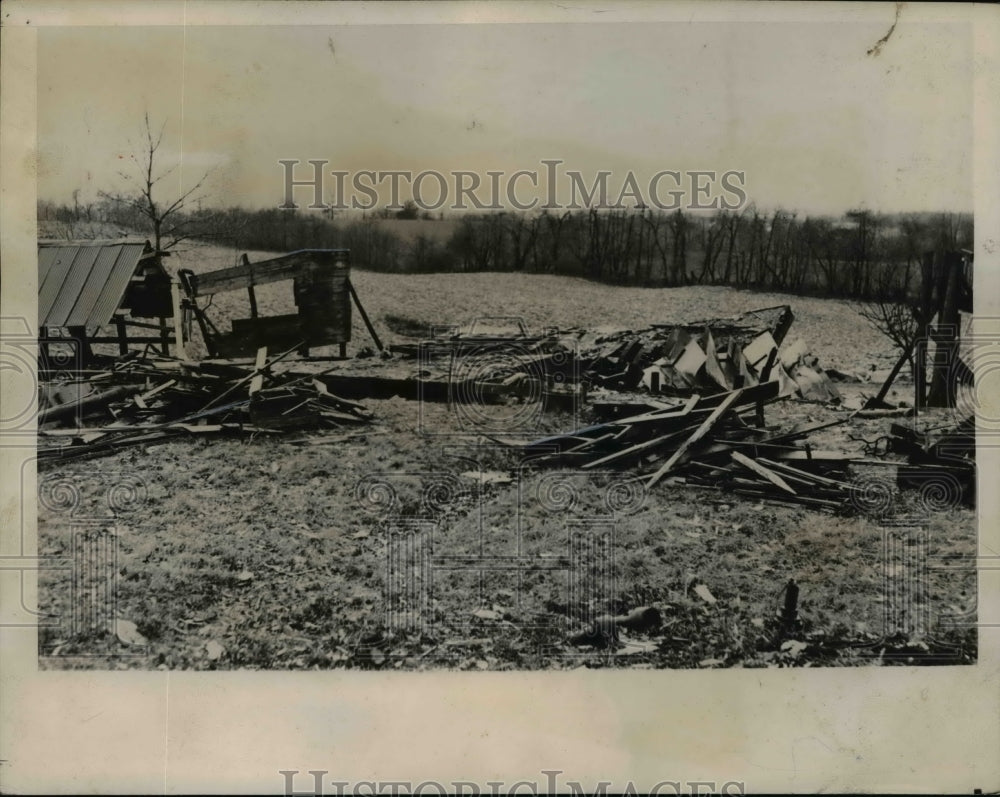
(484, 344)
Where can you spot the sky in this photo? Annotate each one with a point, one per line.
(814, 122)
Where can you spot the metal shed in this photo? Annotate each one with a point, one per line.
(86, 287)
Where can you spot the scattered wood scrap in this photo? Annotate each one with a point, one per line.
(941, 462)
(144, 400)
(705, 442)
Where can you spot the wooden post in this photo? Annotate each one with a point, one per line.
(250, 291)
(202, 320)
(164, 337)
(765, 375)
(175, 295)
(122, 336)
(79, 334)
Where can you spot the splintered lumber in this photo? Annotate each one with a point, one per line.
(142, 399)
(814, 456)
(762, 471)
(613, 410)
(85, 403)
(322, 389)
(712, 366)
(706, 426)
(199, 399)
(632, 451)
(590, 443)
(250, 376)
(804, 431)
(257, 381)
(664, 413)
(802, 475)
(559, 442)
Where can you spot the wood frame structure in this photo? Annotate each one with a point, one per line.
(323, 295)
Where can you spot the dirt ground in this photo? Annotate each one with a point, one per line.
(360, 548)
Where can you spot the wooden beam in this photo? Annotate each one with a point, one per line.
(141, 399)
(262, 272)
(802, 475)
(132, 339)
(364, 317)
(241, 382)
(122, 336)
(763, 472)
(250, 291)
(175, 298)
(164, 337)
(705, 427)
(258, 379)
(639, 448)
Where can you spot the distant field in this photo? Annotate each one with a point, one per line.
(838, 335)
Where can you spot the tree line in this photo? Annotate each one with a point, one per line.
(862, 254)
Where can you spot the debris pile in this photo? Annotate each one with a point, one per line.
(718, 354)
(682, 403)
(674, 359)
(941, 462)
(662, 359)
(707, 442)
(141, 399)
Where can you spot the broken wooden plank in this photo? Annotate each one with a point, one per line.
(705, 427)
(263, 271)
(250, 376)
(364, 316)
(257, 382)
(801, 474)
(155, 391)
(802, 431)
(819, 456)
(663, 414)
(712, 366)
(635, 450)
(88, 402)
(763, 471)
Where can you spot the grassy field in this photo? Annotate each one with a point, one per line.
(267, 553)
(838, 335)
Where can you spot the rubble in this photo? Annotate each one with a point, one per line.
(941, 462)
(706, 442)
(142, 399)
(663, 359)
(679, 404)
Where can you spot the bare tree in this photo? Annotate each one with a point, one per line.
(169, 221)
(895, 316)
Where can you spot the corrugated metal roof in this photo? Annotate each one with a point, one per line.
(82, 285)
